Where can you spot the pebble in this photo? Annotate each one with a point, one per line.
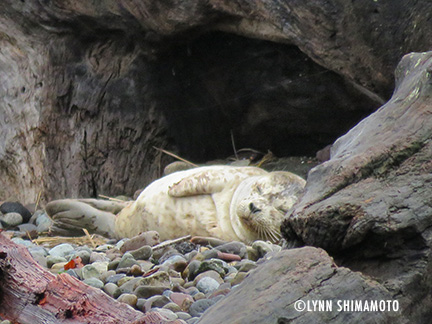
(113, 265)
(182, 300)
(19, 240)
(73, 273)
(207, 285)
(223, 289)
(199, 296)
(40, 254)
(177, 282)
(52, 259)
(109, 274)
(175, 262)
(135, 270)
(43, 222)
(237, 248)
(172, 307)
(58, 267)
(130, 285)
(6, 322)
(127, 261)
(192, 291)
(148, 291)
(168, 314)
(191, 270)
(98, 256)
(207, 241)
(101, 266)
(200, 306)
(140, 304)
(147, 238)
(104, 247)
(212, 264)
(114, 278)
(61, 250)
(210, 254)
(94, 282)
(83, 254)
(16, 207)
(158, 301)
(29, 229)
(129, 299)
(143, 253)
(11, 219)
(192, 320)
(212, 274)
(160, 279)
(90, 271)
(238, 278)
(245, 265)
(112, 290)
(262, 248)
(124, 280)
(183, 316)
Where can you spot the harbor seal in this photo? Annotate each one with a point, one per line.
(230, 203)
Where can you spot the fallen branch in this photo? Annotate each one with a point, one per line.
(32, 295)
(170, 242)
(175, 156)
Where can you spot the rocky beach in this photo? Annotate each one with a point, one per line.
(178, 279)
(98, 98)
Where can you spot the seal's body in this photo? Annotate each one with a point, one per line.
(231, 203)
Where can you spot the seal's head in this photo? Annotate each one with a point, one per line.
(260, 203)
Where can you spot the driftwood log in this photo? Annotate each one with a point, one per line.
(31, 294)
(89, 87)
(370, 204)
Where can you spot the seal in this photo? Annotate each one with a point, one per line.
(230, 203)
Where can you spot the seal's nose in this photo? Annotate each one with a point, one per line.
(253, 209)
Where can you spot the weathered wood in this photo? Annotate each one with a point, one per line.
(370, 204)
(288, 278)
(88, 89)
(30, 294)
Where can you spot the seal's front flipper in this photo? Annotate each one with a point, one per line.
(70, 216)
(208, 181)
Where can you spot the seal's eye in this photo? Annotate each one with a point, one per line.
(253, 208)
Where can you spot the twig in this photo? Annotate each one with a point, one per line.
(268, 157)
(89, 237)
(37, 200)
(30, 238)
(171, 242)
(175, 156)
(233, 145)
(110, 198)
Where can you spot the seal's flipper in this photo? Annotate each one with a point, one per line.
(110, 206)
(70, 216)
(209, 181)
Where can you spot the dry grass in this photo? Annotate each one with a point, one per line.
(93, 240)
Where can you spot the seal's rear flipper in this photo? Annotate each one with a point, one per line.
(70, 216)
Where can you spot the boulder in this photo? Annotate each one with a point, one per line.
(303, 285)
(370, 204)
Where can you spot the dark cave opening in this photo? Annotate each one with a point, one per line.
(269, 96)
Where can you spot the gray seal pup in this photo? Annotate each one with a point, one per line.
(231, 203)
